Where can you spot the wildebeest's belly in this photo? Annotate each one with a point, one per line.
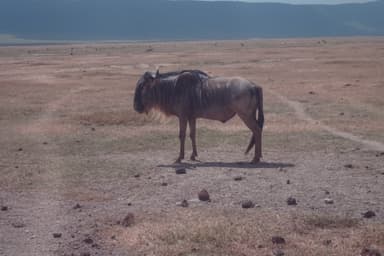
(217, 113)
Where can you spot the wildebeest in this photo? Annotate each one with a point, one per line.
(192, 94)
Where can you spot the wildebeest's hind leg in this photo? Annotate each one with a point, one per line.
(250, 121)
(182, 133)
(192, 130)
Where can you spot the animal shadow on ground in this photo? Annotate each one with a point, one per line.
(238, 165)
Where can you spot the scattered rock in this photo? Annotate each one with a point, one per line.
(380, 154)
(4, 208)
(278, 252)
(350, 166)
(128, 220)
(113, 237)
(288, 182)
(347, 85)
(326, 192)
(129, 204)
(184, 203)
(164, 184)
(20, 149)
(77, 206)
(93, 129)
(247, 204)
(57, 235)
(278, 240)
(291, 201)
(181, 171)
(328, 201)
(341, 113)
(369, 214)
(137, 175)
(88, 240)
(370, 252)
(18, 224)
(238, 178)
(312, 92)
(327, 242)
(45, 143)
(203, 195)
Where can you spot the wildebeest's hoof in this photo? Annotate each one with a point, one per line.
(255, 161)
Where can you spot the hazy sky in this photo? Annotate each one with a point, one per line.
(305, 1)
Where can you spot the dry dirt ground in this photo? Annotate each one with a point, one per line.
(75, 158)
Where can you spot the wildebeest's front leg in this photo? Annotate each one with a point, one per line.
(192, 130)
(182, 134)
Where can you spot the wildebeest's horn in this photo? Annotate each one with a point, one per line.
(157, 73)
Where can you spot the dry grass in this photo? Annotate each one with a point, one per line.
(193, 232)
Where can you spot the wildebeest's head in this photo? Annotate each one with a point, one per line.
(142, 98)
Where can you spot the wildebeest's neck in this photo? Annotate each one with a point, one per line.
(162, 95)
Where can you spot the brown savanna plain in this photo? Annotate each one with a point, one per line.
(75, 158)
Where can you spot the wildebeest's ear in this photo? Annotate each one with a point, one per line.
(157, 74)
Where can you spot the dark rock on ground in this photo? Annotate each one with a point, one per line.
(369, 214)
(278, 240)
(370, 252)
(238, 178)
(350, 166)
(4, 208)
(291, 201)
(88, 240)
(18, 224)
(247, 204)
(77, 206)
(184, 203)
(129, 220)
(203, 195)
(56, 235)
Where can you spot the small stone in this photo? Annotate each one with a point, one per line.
(288, 182)
(93, 129)
(56, 235)
(369, 214)
(18, 224)
(341, 113)
(278, 252)
(247, 204)
(327, 242)
(77, 206)
(326, 192)
(350, 166)
(184, 203)
(328, 201)
(113, 237)
(181, 171)
(128, 220)
(137, 175)
(370, 252)
(238, 178)
(20, 149)
(129, 204)
(88, 240)
(4, 208)
(278, 240)
(203, 195)
(45, 143)
(312, 92)
(164, 184)
(291, 201)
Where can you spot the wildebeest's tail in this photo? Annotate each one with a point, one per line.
(258, 93)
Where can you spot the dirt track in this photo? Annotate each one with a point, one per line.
(69, 136)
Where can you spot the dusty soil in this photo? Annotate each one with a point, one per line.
(83, 174)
